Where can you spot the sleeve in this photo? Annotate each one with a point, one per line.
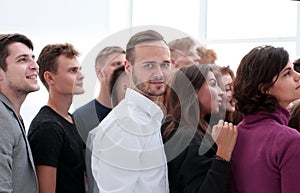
(199, 173)
(108, 177)
(288, 158)
(8, 141)
(46, 143)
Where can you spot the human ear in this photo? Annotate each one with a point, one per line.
(263, 89)
(128, 67)
(49, 78)
(98, 70)
(1, 74)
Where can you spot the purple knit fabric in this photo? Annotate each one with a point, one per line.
(266, 158)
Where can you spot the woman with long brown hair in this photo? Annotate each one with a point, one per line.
(196, 163)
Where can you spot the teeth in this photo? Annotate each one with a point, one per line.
(32, 77)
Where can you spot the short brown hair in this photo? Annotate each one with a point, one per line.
(255, 76)
(185, 43)
(47, 60)
(5, 41)
(105, 53)
(141, 37)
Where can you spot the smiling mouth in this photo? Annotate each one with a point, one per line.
(32, 77)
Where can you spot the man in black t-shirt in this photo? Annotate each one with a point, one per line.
(56, 145)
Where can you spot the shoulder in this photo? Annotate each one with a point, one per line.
(85, 108)
(46, 128)
(285, 145)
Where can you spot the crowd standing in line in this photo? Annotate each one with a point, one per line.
(144, 133)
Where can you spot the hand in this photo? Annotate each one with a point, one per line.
(225, 135)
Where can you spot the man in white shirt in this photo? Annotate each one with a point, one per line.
(127, 148)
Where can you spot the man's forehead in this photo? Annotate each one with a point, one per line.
(17, 48)
(152, 44)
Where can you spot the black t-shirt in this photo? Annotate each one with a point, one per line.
(56, 142)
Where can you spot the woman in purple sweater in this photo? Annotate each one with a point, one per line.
(267, 153)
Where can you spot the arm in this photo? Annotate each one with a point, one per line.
(201, 173)
(49, 138)
(46, 178)
(6, 158)
(205, 173)
(12, 150)
(107, 159)
(287, 153)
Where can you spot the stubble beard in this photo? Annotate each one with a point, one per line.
(145, 88)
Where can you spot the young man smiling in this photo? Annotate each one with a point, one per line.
(18, 77)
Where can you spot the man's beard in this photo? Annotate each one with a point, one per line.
(145, 88)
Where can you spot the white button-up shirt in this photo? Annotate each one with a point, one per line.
(127, 149)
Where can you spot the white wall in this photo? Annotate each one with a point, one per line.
(82, 23)
(86, 23)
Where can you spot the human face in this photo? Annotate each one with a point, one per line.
(113, 63)
(227, 87)
(22, 71)
(287, 87)
(151, 70)
(210, 96)
(185, 58)
(68, 78)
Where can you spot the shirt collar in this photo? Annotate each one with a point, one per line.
(138, 103)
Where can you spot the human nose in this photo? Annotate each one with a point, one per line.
(158, 71)
(34, 65)
(297, 75)
(80, 75)
(221, 92)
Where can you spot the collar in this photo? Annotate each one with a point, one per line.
(138, 103)
(281, 115)
(137, 114)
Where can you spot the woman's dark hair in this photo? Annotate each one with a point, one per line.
(183, 102)
(294, 121)
(256, 74)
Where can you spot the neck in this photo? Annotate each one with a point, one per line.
(61, 104)
(104, 98)
(16, 99)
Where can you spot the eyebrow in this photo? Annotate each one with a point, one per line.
(154, 62)
(286, 69)
(25, 55)
(212, 79)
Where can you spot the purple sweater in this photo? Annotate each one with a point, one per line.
(266, 157)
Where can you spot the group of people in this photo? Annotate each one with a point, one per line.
(163, 121)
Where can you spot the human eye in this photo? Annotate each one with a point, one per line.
(148, 65)
(22, 59)
(213, 83)
(116, 64)
(228, 88)
(165, 64)
(287, 73)
(74, 69)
